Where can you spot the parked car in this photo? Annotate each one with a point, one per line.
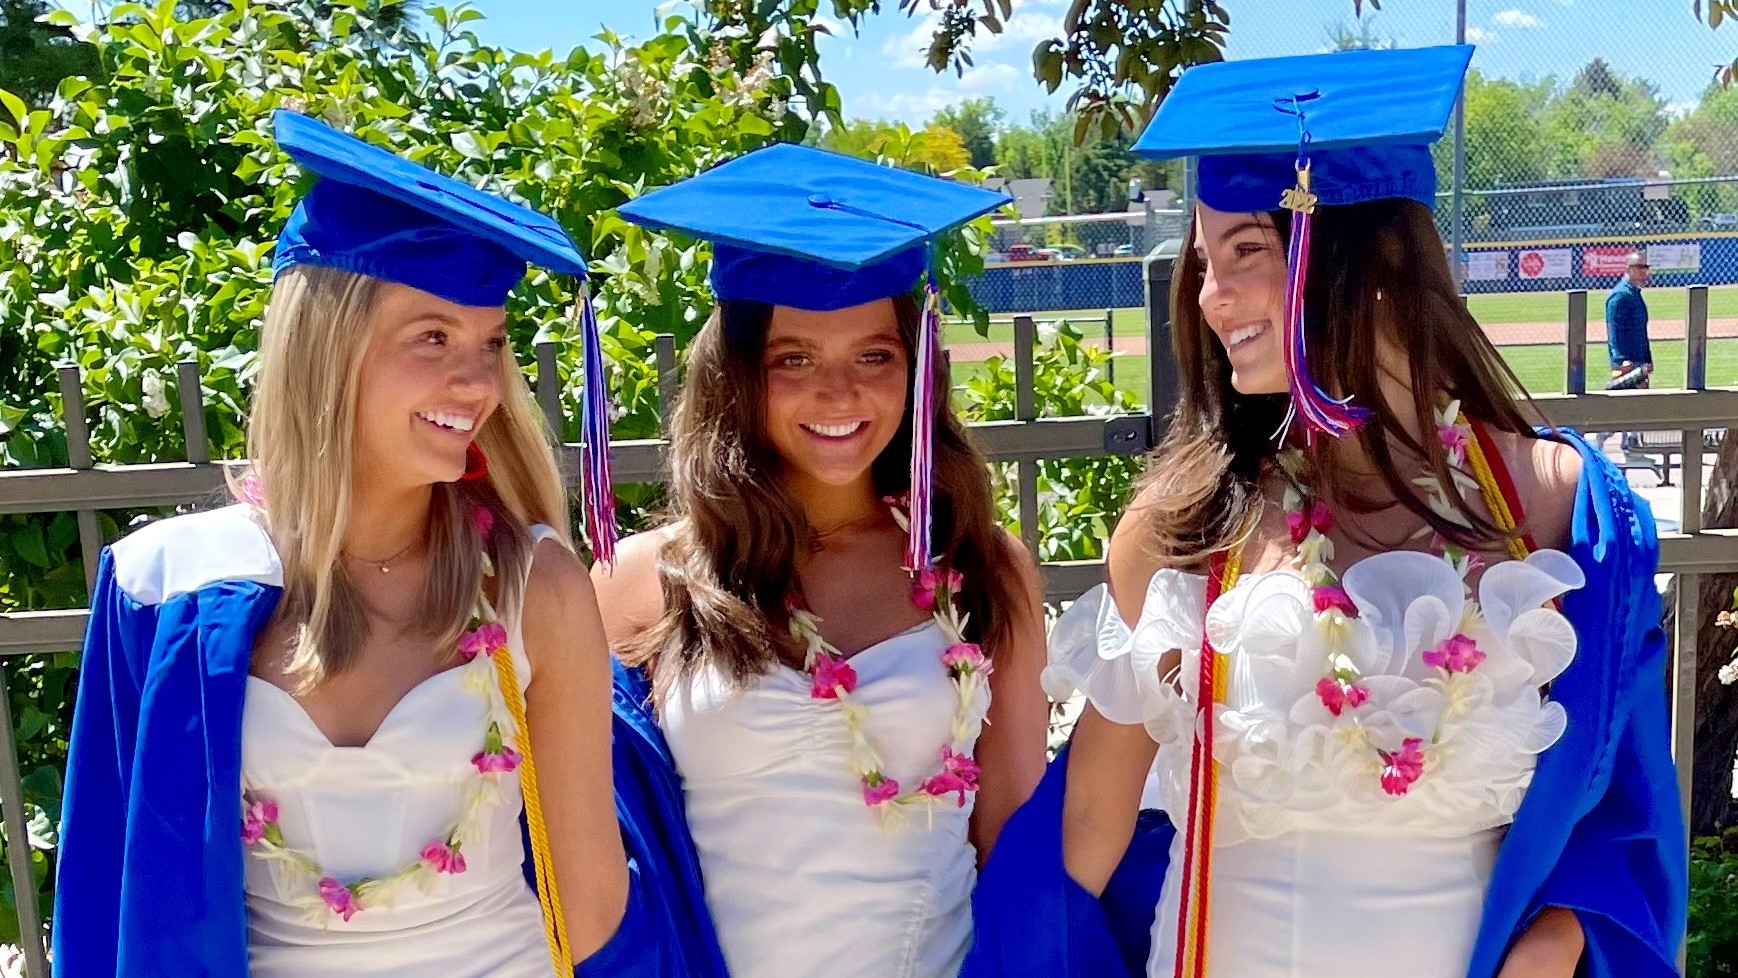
(1024, 252)
(1068, 252)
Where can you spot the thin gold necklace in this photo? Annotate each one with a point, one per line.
(386, 565)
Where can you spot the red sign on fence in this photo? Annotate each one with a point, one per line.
(1597, 260)
(1545, 263)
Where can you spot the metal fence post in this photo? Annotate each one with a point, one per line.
(1161, 366)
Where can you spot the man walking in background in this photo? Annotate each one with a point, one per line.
(1632, 360)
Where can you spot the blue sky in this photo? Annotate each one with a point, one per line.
(881, 74)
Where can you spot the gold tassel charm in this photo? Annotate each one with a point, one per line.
(1299, 198)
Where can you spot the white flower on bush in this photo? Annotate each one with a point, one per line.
(640, 86)
(1729, 672)
(155, 401)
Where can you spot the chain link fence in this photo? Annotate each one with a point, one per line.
(1592, 129)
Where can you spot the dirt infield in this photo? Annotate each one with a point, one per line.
(1502, 334)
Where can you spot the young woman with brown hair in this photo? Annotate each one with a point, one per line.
(844, 646)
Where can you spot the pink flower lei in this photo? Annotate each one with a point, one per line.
(329, 897)
(833, 679)
(1340, 689)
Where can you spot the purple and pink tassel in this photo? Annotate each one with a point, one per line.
(918, 556)
(1321, 412)
(596, 491)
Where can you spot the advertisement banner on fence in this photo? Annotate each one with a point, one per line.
(1545, 263)
(1602, 260)
(1675, 257)
(1487, 266)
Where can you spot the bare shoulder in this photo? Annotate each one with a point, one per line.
(557, 586)
(1133, 557)
(630, 594)
(558, 612)
(1546, 472)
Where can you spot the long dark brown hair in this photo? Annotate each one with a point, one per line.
(730, 565)
(1378, 272)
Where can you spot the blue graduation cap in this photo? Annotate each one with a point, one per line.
(1363, 121)
(378, 214)
(796, 226)
(1297, 132)
(810, 229)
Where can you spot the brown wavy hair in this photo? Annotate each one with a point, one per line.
(731, 563)
(1378, 273)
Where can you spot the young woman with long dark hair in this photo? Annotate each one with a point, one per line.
(843, 644)
(1396, 649)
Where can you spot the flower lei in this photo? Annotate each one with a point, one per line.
(1340, 689)
(326, 896)
(833, 678)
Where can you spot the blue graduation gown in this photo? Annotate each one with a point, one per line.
(149, 880)
(1600, 830)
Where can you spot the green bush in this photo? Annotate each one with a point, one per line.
(1713, 945)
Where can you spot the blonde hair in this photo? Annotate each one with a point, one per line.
(301, 439)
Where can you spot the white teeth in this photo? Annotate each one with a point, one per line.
(835, 430)
(1246, 333)
(448, 420)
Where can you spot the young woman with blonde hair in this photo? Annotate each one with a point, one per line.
(307, 722)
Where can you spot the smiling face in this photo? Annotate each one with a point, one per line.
(1243, 295)
(430, 378)
(835, 389)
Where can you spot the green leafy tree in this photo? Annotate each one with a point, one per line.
(1605, 125)
(35, 55)
(979, 121)
(935, 148)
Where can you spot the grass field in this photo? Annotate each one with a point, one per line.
(1540, 368)
(1516, 307)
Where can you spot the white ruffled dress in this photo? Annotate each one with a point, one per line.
(1318, 870)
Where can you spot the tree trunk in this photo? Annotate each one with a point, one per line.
(1711, 804)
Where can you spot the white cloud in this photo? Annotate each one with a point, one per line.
(992, 78)
(916, 108)
(912, 108)
(910, 48)
(1025, 27)
(1677, 110)
(1478, 35)
(1516, 18)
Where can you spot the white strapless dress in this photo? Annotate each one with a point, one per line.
(368, 812)
(802, 878)
(1317, 871)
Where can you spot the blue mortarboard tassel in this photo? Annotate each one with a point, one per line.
(1321, 412)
